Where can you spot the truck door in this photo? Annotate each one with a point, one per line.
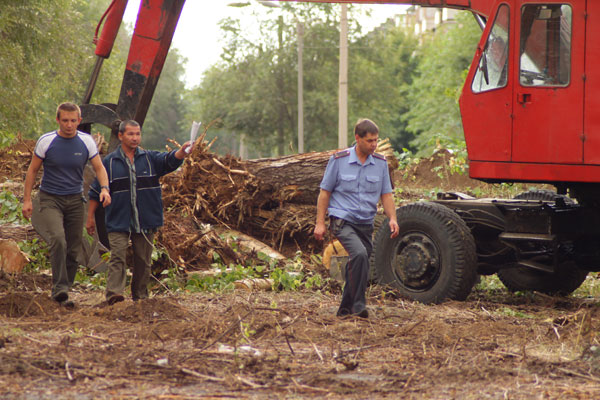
(486, 100)
(548, 95)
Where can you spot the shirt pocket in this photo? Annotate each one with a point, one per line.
(373, 184)
(348, 183)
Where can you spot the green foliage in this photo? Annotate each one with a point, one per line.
(489, 283)
(166, 116)
(590, 287)
(444, 59)
(46, 57)
(385, 64)
(253, 90)
(510, 312)
(91, 279)
(37, 251)
(10, 209)
(289, 275)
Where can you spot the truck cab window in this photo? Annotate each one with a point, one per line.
(545, 45)
(493, 65)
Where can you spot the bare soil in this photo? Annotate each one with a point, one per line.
(256, 345)
(263, 345)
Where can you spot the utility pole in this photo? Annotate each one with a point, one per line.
(343, 80)
(300, 29)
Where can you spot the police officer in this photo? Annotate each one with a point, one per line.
(354, 181)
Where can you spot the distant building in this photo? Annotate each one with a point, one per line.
(422, 19)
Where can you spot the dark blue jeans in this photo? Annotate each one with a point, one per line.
(357, 241)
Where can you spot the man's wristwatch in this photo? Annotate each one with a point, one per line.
(104, 187)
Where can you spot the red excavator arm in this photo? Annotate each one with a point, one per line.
(152, 36)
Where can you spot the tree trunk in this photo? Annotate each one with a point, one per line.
(18, 233)
(293, 179)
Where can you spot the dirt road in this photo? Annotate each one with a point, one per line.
(273, 345)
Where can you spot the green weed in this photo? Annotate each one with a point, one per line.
(37, 251)
(10, 209)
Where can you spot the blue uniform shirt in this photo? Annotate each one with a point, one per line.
(355, 188)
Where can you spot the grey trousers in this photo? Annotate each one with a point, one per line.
(60, 219)
(357, 241)
(117, 267)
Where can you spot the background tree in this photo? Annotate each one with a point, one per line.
(167, 114)
(446, 54)
(253, 90)
(46, 56)
(382, 65)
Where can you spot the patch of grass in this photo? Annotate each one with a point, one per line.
(590, 287)
(511, 312)
(290, 274)
(489, 283)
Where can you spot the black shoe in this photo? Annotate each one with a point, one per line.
(115, 299)
(61, 297)
(68, 304)
(63, 300)
(363, 314)
(342, 312)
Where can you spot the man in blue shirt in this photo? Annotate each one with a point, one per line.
(64, 154)
(136, 211)
(354, 181)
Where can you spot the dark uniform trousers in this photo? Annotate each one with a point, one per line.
(357, 241)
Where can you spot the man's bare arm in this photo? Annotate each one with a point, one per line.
(389, 207)
(32, 172)
(322, 204)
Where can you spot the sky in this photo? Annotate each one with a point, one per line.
(197, 36)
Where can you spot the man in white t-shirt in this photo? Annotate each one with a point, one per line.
(64, 154)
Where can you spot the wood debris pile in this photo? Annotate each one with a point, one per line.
(271, 199)
(230, 193)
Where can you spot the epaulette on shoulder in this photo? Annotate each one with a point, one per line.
(340, 154)
(380, 156)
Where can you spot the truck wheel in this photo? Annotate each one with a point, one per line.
(374, 275)
(566, 280)
(432, 259)
(543, 194)
(563, 282)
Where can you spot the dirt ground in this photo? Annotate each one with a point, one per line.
(263, 345)
(260, 345)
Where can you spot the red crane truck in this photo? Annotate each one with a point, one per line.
(527, 108)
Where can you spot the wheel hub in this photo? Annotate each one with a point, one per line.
(417, 261)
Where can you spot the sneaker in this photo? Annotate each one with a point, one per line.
(363, 314)
(116, 298)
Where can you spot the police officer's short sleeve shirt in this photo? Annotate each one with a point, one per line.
(355, 188)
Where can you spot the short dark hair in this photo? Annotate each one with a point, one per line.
(128, 122)
(364, 126)
(68, 107)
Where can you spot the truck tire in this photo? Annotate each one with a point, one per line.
(374, 276)
(544, 195)
(563, 282)
(566, 280)
(432, 259)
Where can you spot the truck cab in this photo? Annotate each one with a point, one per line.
(524, 106)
